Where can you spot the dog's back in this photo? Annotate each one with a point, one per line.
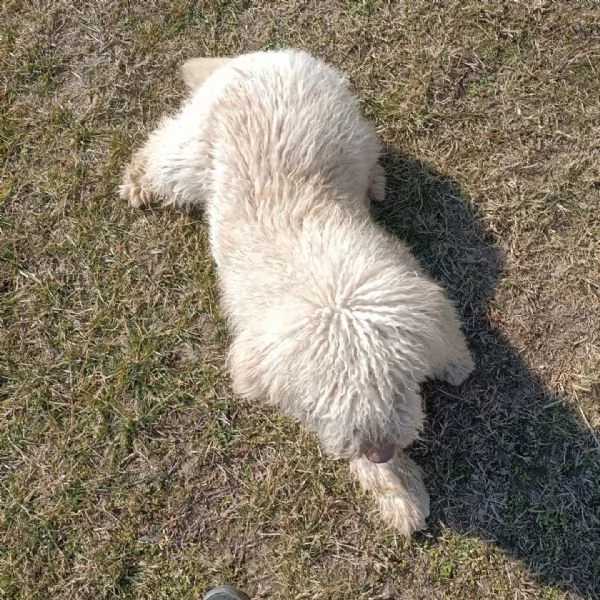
(286, 115)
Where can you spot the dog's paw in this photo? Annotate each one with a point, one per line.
(404, 501)
(135, 195)
(456, 373)
(399, 489)
(133, 190)
(376, 189)
(403, 514)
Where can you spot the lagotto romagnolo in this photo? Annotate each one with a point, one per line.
(332, 318)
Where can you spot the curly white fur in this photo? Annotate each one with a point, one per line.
(332, 318)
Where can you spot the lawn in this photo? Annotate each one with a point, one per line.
(127, 467)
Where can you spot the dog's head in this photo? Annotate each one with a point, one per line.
(358, 390)
(342, 349)
(360, 401)
(374, 428)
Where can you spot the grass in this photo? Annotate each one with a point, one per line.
(128, 470)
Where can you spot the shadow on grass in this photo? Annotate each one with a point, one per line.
(504, 459)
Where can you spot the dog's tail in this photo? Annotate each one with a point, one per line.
(195, 71)
(399, 489)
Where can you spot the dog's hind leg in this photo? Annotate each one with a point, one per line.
(398, 487)
(171, 168)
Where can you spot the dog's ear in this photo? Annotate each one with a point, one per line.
(195, 71)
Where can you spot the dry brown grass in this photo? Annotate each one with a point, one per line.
(126, 467)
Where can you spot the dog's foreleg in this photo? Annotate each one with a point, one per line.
(451, 358)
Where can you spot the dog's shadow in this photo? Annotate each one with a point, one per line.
(503, 458)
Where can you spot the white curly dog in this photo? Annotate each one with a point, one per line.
(332, 318)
